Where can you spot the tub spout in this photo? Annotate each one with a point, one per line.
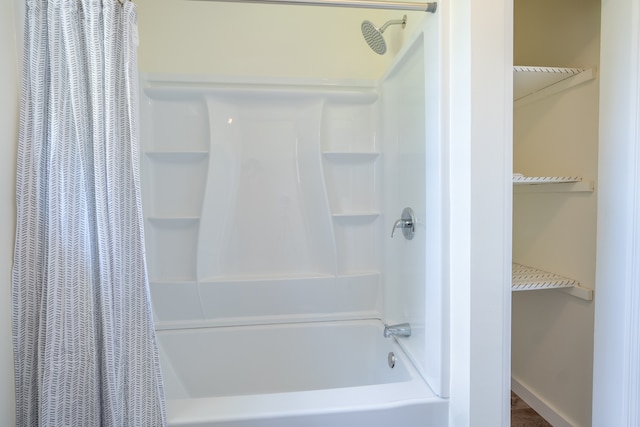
(399, 330)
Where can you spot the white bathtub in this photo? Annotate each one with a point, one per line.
(299, 374)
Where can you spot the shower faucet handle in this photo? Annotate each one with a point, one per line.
(407, 223)
(401, 223)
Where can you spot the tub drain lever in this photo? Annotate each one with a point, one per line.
(407, 222)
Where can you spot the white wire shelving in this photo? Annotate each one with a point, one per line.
(525, 278)
(550, 184)
(533, 83)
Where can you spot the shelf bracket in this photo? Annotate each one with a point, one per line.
(578, 292)
(565, 187)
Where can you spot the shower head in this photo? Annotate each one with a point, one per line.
(373, 35)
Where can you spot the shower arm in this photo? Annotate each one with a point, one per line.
(402, 22)
(372, 4)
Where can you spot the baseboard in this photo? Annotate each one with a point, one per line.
(539, 405)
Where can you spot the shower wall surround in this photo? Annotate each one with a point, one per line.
(261, 200)
(415, 176)
(271, 200)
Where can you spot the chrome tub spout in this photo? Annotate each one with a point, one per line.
(399, 330)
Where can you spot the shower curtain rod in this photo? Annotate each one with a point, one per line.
(372, 4)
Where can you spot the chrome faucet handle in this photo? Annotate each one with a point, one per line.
(407, 223)
(401, 223)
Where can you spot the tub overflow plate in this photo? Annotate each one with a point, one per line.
(391, 359)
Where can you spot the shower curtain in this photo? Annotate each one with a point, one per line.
(84, 344)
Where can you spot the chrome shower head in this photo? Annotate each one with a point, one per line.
(373, 35)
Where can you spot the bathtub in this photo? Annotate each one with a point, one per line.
(296, 374)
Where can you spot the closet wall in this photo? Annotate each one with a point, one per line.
(554, 229)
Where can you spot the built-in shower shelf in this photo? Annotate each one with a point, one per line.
(533, 83)
(356, 215)
(351, 156)
(363, 274)
(317, 276)
(172, 219)
(550, 184)
(525, 278)
(175, 154)
(160, 88)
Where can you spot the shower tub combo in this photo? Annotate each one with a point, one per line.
(265, 233)
(300, 374)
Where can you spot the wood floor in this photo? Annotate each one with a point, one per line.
(523, 416)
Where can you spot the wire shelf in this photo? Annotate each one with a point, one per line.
(528, 278)
(529, 180)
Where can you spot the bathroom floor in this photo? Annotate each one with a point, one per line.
(523, 416)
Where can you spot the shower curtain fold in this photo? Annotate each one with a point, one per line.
(85, 352)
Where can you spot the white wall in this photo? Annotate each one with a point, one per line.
(225, 39)
(480, 81)
(616, 377)
(8, 138)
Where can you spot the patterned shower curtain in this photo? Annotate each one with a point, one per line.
(84, 343)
